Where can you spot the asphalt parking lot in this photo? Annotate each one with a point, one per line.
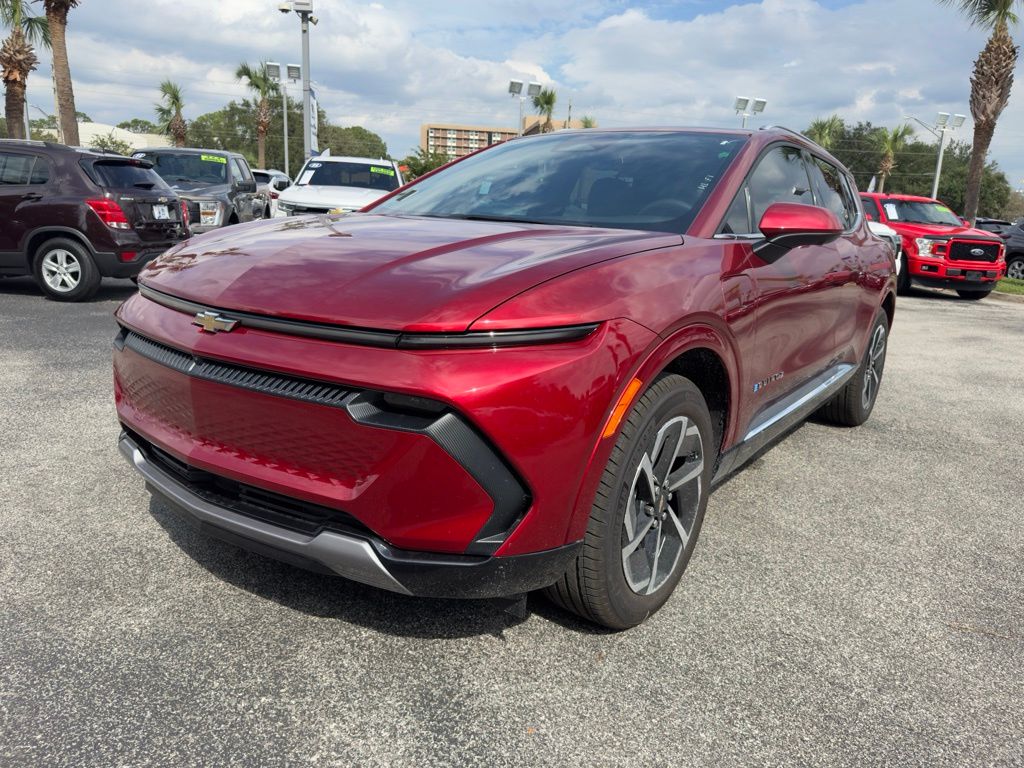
(856, 598)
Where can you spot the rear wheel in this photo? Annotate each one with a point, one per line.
(648, 509)
(65, 271)
(854, 403)
(973, 295)
(1015, 266)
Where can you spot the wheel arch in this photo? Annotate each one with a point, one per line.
(889, 305)
(701, 353)
(34, 239)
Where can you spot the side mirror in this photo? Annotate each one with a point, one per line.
(789, 225)
(869, 217)
(965, 222)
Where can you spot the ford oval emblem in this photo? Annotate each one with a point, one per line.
(977, 252)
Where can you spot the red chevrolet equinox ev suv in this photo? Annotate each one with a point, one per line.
(526, 370)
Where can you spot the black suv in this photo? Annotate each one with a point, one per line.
(217, 186)
(70, 216)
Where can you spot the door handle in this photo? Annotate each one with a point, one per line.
(32, 196)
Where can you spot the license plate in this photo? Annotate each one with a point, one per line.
(161, 212)
(974, 275)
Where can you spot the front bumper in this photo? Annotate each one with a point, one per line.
(956, 275)
(361, 558)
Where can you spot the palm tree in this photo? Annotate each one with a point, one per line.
(18, 58)
(891, 142)
(57, 19)
(168, 114)
(259, 82)
(990, 83)
(826, 131)
(544, 103)
(588, 121)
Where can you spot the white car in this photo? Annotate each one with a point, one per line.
(328, 184)
(889, 234)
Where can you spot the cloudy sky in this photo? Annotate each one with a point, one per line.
(393, 64)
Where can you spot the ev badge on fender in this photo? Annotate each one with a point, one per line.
(211, 322)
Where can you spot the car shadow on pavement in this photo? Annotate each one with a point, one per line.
(333, 597)
(109, 290)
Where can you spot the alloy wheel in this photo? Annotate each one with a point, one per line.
(662, 506)
(61, 270)
(875, 362)
(1015, 269)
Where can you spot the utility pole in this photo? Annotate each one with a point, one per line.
(304, 8)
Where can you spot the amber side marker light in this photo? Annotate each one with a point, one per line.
(621, 406)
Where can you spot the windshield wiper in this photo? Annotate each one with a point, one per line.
(481, 217)
(143, 184)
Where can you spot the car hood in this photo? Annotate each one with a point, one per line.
(376, 271)
(198, 189)
(333, 197)
(940, 230)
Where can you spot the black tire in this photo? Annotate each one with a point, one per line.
(596, 586)
(854, 403)
(903, 279)
(973, 295)
(1015, 266)
(266, 213)
(80, 278)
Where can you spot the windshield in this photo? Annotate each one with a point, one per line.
(920, 212)
(174, 167)
(328, 173)
(628, 180)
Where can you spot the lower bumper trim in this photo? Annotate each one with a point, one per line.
(366, 560)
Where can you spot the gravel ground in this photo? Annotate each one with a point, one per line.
(857, 598)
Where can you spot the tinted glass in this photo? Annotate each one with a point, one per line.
(40, 172)
(338, 174)
(125, 175)
(920, 212)
(737, 220)
(173, 166)
(832, 192)
(261, 178)
(631, 180)
(870, 207)
(15, 169)
(241, 170)
(780, 177)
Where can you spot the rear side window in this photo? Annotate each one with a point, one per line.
(870, 207)
(15, 169)
(125, 175)
(780, 177)
(832, 191)
(261, 178)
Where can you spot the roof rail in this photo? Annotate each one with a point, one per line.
(787, 130)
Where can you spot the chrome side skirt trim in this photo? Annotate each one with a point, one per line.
(347, 556)
(818, 388)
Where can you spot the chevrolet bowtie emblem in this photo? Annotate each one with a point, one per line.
(211, 322)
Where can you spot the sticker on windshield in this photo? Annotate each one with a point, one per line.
(305, 177)
(213, 159)
(890, 211)
(315, 165)
(139, 154)
(385, 171)
(943, 208)
(485, 188)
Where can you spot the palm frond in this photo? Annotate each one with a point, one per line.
(986, 13)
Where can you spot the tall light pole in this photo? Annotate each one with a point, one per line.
(943, 125)
(293, 73)
(515, 88)
(756, 107)
(304, 8)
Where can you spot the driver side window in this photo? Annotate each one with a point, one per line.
(780, 177)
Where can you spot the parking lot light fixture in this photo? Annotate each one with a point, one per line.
(745, 103)
(515, 88)
(943, 125)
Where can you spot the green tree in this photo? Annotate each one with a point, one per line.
(139, 125)
(112, 144)
(258, 81)
(990, 84)
(422, 161)
(588, 121)
(169, 112)
(18, 58)
(544, 103)
(353, 140)
(826, 131)
(57, 19)
(890, 142)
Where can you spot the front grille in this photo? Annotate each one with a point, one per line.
(257, 380)
(274, 508)
(960, 250)
(300, 210)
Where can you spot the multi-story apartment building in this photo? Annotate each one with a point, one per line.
(456, 140)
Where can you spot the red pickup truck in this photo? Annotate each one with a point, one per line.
(939, 249)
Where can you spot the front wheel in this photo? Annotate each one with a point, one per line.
(648, 509)
(973, 295)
